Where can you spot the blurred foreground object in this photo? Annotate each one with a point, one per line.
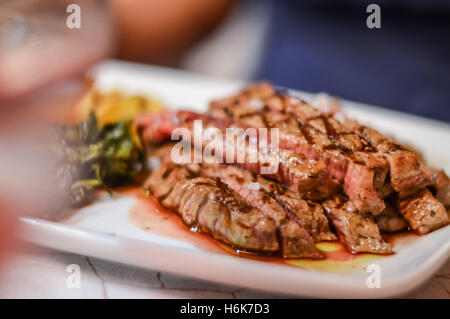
(160, 31)
(38, 48)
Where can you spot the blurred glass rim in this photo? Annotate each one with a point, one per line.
(13, 27)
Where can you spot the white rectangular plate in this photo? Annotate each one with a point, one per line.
(104, 230)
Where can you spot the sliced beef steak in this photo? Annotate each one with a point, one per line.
(213, 208)
(318, 156)
(223, 213)
(307, 213)
(157, 128)
(405, 168)
(305, 176)
(390, 220)
(357, 156)
(270, 197)
(305, 130)
(442, 186)
(423, 212)
(263, 194)
(440, 183)
(358, 232)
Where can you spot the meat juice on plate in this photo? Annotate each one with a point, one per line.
(148, 215)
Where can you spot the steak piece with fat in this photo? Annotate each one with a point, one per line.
(270, 197)
(423, 212)
(357, 232)
(318, 136)
(223, 213)
(205, 203)
(440, 183)
(357, 156)
(305, 176)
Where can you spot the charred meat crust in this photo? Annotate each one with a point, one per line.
(440, 184)
(220, 211)
(358, 156)
(423, 212)
(299, 174)
(205, 203)
(359, 233)
(307, 213)
(305, 176)
(295, 240)
(319, 156)
(269, 196)
(407, 174)
(319, 136)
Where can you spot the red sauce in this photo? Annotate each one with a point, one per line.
(148, 215)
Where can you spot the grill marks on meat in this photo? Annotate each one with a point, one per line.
(423, 212)
(440, 183)
(406, 171)
(299, 174)
(358, 232)
(318, 155)
(305, 130)
(158, 128)
(358, 156)
(307, 213)
(224, 213)
(306, 176)
(271, 198)
(295, 240)
(208, 204)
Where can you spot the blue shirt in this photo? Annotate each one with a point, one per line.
(323, 46)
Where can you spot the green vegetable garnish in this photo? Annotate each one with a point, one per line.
(89, 157)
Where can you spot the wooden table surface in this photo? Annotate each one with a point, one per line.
(37, 272)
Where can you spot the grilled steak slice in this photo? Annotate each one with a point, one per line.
(303, 129)
(207, 202)
(358, 232)
(440, 183)
(358, 156)
(405, 168)
(270, 197)
(423, 212)
(307, 213)
(307, 177)
(406, 173)
(295, 240)
(157, 128)
(390, 220)
(296, 243)
(369, 166)
(215, 209)
(442, 186)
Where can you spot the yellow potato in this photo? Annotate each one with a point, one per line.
(114, 106)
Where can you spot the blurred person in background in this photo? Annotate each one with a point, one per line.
(318, 45)
(42, 68)
(311, 45)
(326, 46)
